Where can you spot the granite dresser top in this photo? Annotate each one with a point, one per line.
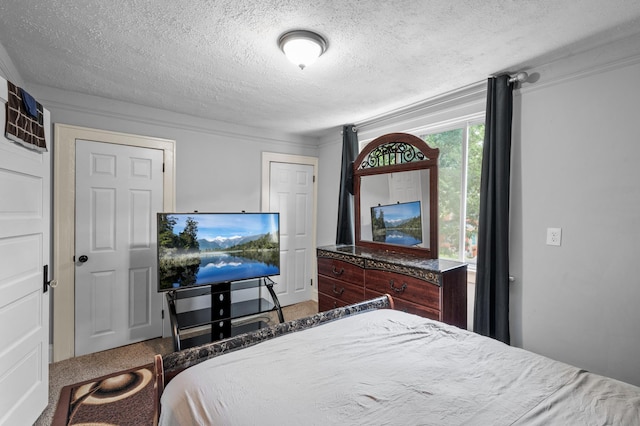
(407, 264)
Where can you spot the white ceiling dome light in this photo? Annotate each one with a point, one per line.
(302, 47)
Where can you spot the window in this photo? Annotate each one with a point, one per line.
(459, 169)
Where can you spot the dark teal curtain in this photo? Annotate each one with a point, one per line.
(344, 234)
(491, 313)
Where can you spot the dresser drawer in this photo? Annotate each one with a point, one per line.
(404, 288)
(341, 270)
(326, 303)
(412, 308)
(404, 306)
(340, 290)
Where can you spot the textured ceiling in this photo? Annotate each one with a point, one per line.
(219, 59)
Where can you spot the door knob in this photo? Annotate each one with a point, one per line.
(83, 258)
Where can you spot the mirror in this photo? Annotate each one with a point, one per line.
(395, 195)
(399, 208)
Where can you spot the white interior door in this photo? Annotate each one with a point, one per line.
(292, 193)
(24, 307)
(118, 193)
(405, 187)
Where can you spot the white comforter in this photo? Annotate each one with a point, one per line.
(391, 368)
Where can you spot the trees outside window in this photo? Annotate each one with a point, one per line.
(459, 170)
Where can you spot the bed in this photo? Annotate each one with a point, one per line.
(368, 365)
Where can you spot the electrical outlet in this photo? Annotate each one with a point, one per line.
(554, 236)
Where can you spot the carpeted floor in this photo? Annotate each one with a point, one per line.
(98, 364)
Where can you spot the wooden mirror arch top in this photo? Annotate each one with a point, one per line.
(375, 167)
(392, 151)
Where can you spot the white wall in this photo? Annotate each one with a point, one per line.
(218, 165)
(576, 151)
(574, 166)
(329, 162)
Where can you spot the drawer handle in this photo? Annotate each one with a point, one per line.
(398, 289)
(336, 272)
(336, 291)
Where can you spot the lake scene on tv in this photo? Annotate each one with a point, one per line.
(399, 223)
(197, 249)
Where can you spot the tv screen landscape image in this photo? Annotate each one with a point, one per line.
(399, 223)
(196, 249)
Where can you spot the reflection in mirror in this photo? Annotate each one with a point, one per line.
(393, 172)
(397, 206)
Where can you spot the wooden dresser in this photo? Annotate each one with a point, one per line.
(432, 288)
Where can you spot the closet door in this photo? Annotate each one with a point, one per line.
(24, 303)
(291, 193)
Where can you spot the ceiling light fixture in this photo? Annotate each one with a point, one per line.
(302, 47)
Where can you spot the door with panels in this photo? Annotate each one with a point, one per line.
(24, 301)
(118, 193)
(291, 193)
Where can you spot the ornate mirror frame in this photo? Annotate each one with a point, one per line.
(394, 153)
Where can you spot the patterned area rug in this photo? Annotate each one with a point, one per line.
(127, 397)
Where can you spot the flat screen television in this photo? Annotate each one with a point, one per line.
(196, 249)
(399, 223)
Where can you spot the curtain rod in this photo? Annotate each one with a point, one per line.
(519, 77)
(354, 129)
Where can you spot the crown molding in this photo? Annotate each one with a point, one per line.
(8, 69)
(78, 103)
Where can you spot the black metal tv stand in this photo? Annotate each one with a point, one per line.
(203, 325)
